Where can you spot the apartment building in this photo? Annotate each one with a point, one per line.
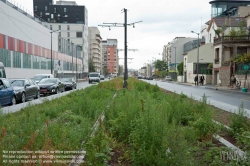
(72, 21)
(110, 56)
(95, 47)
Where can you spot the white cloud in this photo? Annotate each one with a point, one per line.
(163, 20)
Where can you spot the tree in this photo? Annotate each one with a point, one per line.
(105, 71)
(161, 65)
(180, 68)
(91, 66)
(241, 30)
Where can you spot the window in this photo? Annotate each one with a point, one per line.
(16, 59)
(68, 34)
(78, 34)
(35, 8)
(65, 21)
(68, 27)
(48, 19)
(65, 10)
(51, 27)
(41, 14)
(5, 57)
(46, 8)
(60, 34)
(59, 27)
(26, 61)
(54, 10)
(77, 16)
(52, 16)
(36, 62)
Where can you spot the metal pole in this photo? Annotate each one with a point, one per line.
(51, 54)
(175, 60)
(198, 55)
(125, 85)
(72, 60)
(76, 63)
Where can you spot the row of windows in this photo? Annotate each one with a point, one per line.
(21, 60)
(46, 9)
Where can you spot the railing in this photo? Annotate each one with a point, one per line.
(231, 39)
(216, 61)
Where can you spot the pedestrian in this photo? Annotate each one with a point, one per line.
(233, 82)
(196, 80)
(202, 78)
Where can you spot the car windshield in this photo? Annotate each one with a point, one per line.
(38, 78)
(17, 83)
(93, 75)
(48, 80)
(66, 79)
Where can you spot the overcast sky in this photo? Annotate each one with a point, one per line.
(163, 20)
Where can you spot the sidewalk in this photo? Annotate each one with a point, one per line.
(215, 87)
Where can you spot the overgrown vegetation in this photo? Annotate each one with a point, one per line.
(142, 126)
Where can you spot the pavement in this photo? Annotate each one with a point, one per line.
(215, 87)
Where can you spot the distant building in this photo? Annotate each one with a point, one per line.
(72, 21)
(110, 56)
(95, 47)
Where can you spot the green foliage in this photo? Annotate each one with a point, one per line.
(241, 30)
(240, 122)
(91, 66)
(180, 68)
(232, 32)
(105, 71)
(220, 31)
(161, 65)
(210, 65)
(241, 58)
(163, 73)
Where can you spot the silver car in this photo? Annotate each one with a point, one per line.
(168, 78)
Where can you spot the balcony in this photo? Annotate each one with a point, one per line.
(232, 39)
(217, 61)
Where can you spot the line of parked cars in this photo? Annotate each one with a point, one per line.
(21, 90)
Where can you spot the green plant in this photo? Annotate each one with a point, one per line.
(180, 68)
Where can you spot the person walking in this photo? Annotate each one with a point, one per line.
(233, 82)
(196, 80)
(202, 78)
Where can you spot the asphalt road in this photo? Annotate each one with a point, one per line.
(229, 97)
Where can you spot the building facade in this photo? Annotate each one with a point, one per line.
(25, 45)
(110, 56)
(95, 47)
(72, 21)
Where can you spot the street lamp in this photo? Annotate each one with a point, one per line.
(51, 72)
(197, 52)
(72, 58)
(80, 46)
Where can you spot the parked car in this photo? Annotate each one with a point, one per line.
(149, 78)
(69, 83)
(168, 78)
(38, 77)
(102, 77)
(25, 89)
(7, 94)
(51, 86)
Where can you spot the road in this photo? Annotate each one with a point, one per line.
(223, 99)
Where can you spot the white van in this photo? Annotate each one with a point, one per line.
(38, 77)
(94, 77)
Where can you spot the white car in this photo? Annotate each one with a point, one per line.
(94, 77)
(168, 78)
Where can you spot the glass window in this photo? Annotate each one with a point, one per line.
(77, 16)
(46, 8)
(68, 27)
(16, 59)
(36, 62)
(26, 61)
(31, 82)
(52, 16)
(41, 14)
(65, 10)
(78, 34)
(68, 34)
(59, 27)
(5, 57)
(35, 8)
(54, 10)
(6, 82)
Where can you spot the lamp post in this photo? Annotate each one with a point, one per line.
(51, 67)
(72, 58)
(197, 52)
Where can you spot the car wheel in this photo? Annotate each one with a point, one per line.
(37, 95)
(23, 99)
(13, 101)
